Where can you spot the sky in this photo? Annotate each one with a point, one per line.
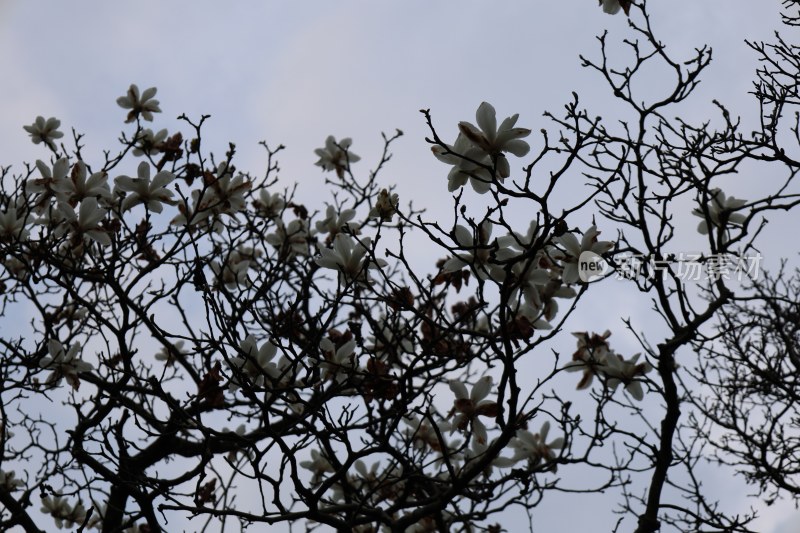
(293, 73)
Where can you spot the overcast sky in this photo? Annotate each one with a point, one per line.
(295, 72)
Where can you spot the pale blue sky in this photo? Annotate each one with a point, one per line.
(295, 72)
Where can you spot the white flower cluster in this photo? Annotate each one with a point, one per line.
(542, 276)
(254, 362)
(336, 155)
(237, 264)
(65, 364)
(594, 357)
(720, 213)
(223, 195)
(478, 154)
(45, 131)
(62, 512)
(9, 481)
(349, 257)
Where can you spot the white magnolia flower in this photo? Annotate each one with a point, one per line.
(168, 355)
(44, 131)
(469, 405)
(64, 363)
(385, 206)
(143, 191)
(493, 140)
(52, 185)
(469, 164)
(339, 362)
(534, 447)
(515, 244)
(626, 371)
(269, 205)
(534, 316)
(234, 273)
(255, 362)
(200, 214)
(478, 254)
(349, 257)
(85, 223)
(575, 248)
(18, 269)
(62, 512)
(335, 221)
(139, 103)
(78, 186)
(149, 143)
(12, 226)
(9, 482)
(612, 7)
(98, 515)
(225, 196)
(590, 357)
(318, 465)
(291, 239)
(721, 212)
(336, 156)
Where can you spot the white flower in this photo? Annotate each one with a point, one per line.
(65, 364)
(18, 269)
(469, 164)
(612, 7)
(149, 143)
(226, 194)
(479, 254)
(143, 103)
(99, 514)
(292, 239)
(143, 191)
(269, 205)
(534, 446)
(78, 186)
(52, 184)
(255, 362)
(199, 214)
(478, 148)
(590, 357)
(86, 223)
(493, 140)
(349, 257)
(237, 265)
(470, 405)
(44, 131)
(338, 361)
(720, 211)
(318, 465)
(334, 222)
(63, 513)
(168, 354)
(12, 226)
(385, 206)
(9, 482)
(336, 156)
(626, 371)
(575, 248)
